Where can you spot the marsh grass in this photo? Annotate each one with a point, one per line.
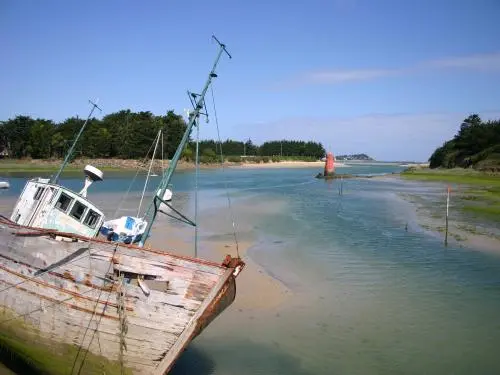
(478, 192)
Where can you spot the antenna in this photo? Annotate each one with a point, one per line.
(222, 45)
(72, 148)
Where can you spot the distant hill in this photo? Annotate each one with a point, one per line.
(354, 157)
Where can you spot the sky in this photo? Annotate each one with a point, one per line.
(390, 78)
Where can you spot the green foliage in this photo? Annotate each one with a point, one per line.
(122, 134)
(458, 176)
(129, 135)
(481, 198)
(234, 159)
(187, 154)
(17, 134)
(208, 156)
(40, 139)
(292, 148)
(477, 145)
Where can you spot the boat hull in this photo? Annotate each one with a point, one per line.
(103, 304)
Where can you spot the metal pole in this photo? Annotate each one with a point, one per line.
(447, 213)
(72, 148)
(196, 191)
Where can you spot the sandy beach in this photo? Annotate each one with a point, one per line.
(27, 165)
(286, 164)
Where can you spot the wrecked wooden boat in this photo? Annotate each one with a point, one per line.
(74, 302)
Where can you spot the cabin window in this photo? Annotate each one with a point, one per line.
(63, 202)
(38, 193)
(78, 210)
(91, 219)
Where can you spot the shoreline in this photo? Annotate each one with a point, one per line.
(127, 165)
(472, 197)
(8, 166)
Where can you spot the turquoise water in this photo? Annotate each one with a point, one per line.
(368, 296)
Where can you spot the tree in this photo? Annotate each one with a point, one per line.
(474, 143)
(40, 139)
(174, 127)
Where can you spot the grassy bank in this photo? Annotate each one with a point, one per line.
(478, 192)
(34, 165)
(455, 175)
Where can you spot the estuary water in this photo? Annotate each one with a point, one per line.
(370, 291)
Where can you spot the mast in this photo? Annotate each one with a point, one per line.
(72, 148)
(153, 208)
(157, 139)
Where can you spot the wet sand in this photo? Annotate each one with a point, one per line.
(428, 200)
(256, 289)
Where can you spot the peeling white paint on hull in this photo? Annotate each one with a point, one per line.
(69, 292)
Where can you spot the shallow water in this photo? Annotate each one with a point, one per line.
(368, 297)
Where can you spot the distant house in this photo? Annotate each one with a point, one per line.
(4, 153)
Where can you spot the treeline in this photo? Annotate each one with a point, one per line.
(210, 150)
(130, 135)
(123, 134)
(476, 145)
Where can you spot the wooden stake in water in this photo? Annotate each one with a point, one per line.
(447, 212)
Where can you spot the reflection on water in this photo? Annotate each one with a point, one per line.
(241, 357)
(369, 297)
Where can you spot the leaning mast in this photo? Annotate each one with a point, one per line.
(153, 208)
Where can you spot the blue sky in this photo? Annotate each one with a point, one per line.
(393, 79)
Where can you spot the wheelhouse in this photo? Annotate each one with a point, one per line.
(51, 206)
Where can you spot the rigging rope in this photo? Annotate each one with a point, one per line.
(43, 307)
(92, 317)
(51, 267)
(43, 271)
(123, 319)
(225, 180)
(46, 306)
(157, 139)
(125, 196)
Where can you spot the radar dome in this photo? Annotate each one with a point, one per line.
(93, 173)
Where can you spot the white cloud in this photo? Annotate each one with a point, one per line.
(338, 76)
(483, 62)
